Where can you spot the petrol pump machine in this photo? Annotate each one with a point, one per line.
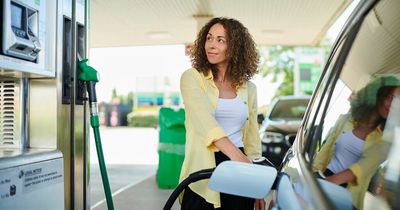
(31, 177)
(43, 122)
(20, 31)
(28, 37)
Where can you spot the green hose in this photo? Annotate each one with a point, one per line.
(94, 122)
(90, 76)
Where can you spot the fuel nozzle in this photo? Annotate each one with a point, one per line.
(90, 76)
(263, 161)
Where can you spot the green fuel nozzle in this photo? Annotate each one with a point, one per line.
(90, 76)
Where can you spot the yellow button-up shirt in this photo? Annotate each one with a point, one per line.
(200, 96)
(373, 154)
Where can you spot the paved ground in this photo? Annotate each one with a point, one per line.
(131, 157)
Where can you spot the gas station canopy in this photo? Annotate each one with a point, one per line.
(158, 22)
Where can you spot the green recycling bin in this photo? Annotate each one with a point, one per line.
(171, 146)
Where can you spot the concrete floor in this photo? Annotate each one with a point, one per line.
(131, 157)
(134, 187)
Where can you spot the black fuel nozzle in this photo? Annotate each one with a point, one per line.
(263, 161)
(91, 89)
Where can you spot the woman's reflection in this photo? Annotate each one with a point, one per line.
(354, 148)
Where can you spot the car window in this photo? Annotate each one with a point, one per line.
(319, 99)
(338, 105)
(293, 109)
(358, 116)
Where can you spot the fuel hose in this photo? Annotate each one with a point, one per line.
(90, 76)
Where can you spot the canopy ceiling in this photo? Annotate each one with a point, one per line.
(157, 22)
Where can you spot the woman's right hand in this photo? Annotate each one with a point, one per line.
(342, 177)
(259, 204)
(230, 150)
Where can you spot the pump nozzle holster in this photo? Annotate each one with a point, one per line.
(88, 73)
(91, 77)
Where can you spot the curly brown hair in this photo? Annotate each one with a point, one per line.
(369, 98)
(242, 54)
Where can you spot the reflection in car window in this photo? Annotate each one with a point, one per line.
(386, 183)
(339, 104)
(319, 99)
(354, 146)
(289, 109)
(374, 54)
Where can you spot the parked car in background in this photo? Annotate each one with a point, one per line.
(279, 128)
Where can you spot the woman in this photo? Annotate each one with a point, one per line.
(221, 110)
(354, 149)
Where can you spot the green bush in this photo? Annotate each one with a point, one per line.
(142, 119)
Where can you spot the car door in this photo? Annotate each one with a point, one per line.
(366, 48)
(296, 166)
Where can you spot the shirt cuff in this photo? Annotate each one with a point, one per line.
(357, 171)
(212, 135)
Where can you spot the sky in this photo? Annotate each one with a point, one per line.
(138, 68)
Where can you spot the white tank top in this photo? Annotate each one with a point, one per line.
(348, 151)
(231, 114)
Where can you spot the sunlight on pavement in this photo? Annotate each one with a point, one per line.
(126, 145)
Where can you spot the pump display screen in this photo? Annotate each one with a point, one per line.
(16, 16)
(20, 30)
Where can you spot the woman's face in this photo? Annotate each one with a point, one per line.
(384, 107)
(216, 45)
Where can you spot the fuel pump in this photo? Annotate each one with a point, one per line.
(90, 77)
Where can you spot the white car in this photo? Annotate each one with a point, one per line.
(368, 46)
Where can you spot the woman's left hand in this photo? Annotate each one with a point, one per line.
(342, 177)
(260, 204)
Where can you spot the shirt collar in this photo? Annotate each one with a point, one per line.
(208, 75)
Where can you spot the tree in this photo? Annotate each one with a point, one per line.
(128, 99)
(123, 99)
(278, 61)
(114, 93)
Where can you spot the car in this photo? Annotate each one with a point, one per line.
(278, 129)
(366, 47)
